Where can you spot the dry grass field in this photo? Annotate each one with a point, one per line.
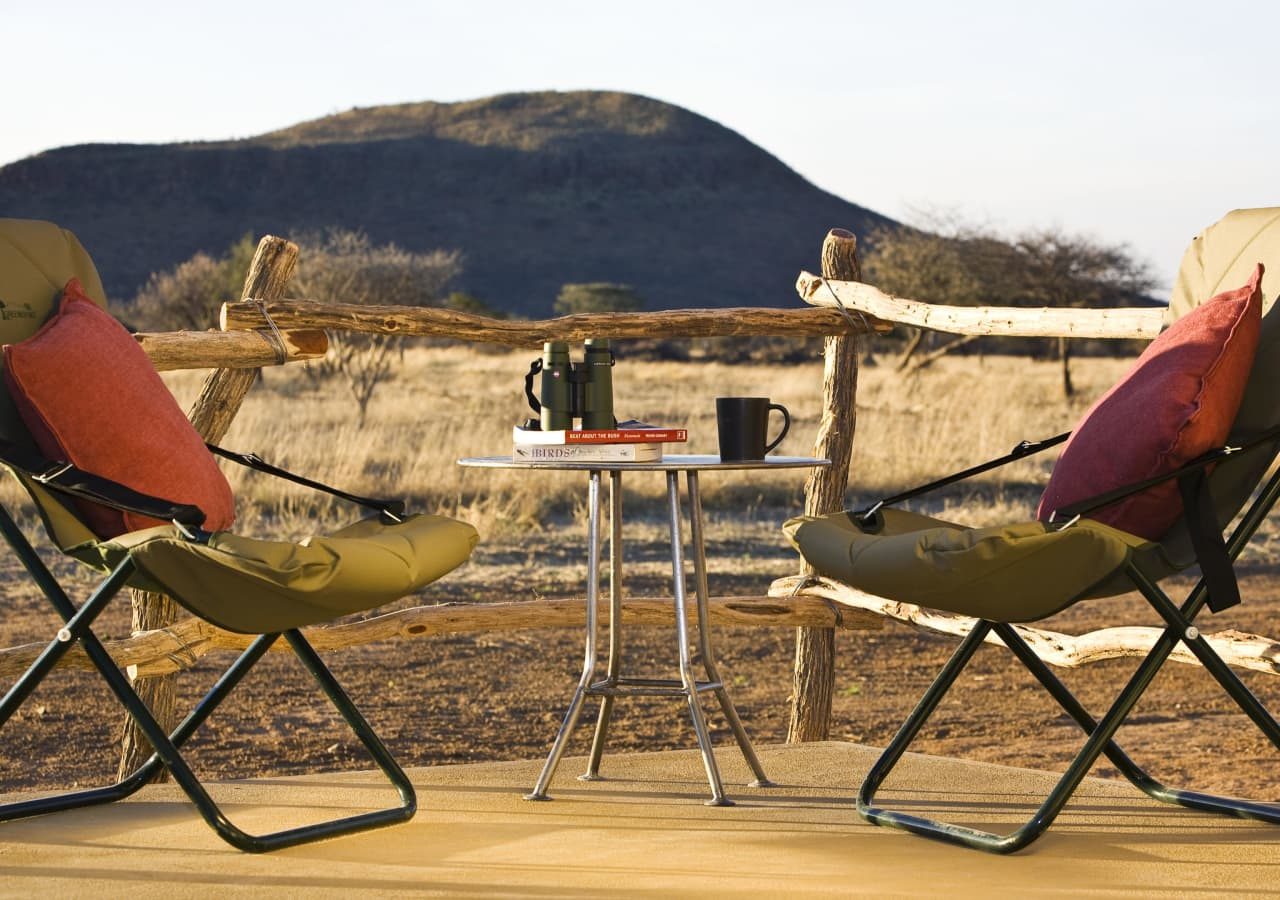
(500, 696)
(450, 402)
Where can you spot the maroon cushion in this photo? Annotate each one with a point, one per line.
(90, 396)
(1177, 402)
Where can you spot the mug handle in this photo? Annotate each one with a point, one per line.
(786, 426)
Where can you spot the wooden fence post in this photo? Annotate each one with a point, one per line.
(824, 492)
(219, 401)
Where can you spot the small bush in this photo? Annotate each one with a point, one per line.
(597, 297)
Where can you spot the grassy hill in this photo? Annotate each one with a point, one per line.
(537, 190)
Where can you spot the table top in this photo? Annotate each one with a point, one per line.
(671, 462)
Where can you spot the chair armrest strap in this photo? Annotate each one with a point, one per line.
(66, 478)
(1023, 449)
(1096, 502)
(391, 508)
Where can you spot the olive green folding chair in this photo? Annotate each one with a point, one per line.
(167, 543)
(1030, 570)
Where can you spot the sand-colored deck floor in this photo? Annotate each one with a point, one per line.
(645, 831)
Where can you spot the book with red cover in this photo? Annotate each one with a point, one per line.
(629, 432)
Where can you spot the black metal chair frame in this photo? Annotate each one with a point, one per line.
(1178, 628)
(77, 628)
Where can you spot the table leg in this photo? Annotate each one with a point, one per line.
(615, 625)
(539, 791)
(698, 540)
(682, 640)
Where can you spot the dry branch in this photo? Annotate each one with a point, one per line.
(163, 651)
(426, 322)
(171, 350)
(1006, 321)
(1237, 648)
(924, 360)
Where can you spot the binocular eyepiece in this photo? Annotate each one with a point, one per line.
(573, 390)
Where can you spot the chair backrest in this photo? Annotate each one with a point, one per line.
(36, 261)
(1222, 257)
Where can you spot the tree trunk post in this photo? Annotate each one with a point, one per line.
(824, 492)
(219, 401)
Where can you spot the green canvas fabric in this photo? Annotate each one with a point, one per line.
(258, 586)
(61, 524)
(36, 260)
(1223, 256)
(1011, 573)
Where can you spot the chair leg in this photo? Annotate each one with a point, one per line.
(166, 748)
(77, 625)
(78, 628)
(1179, 622)
(1100, 739)
(931, 828)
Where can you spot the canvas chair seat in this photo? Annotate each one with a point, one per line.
(1004, 573)
(256, 586)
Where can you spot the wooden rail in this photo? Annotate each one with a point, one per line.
(1007, 321)
(171, 350)
(427, 322)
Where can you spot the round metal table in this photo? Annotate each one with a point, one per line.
(614, 683)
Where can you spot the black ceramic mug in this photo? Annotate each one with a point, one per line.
(743, 423)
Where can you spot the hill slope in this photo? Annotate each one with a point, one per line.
(537, 189)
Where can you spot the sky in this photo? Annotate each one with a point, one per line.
(1130, 122)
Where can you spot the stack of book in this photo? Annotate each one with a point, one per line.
(631, 441)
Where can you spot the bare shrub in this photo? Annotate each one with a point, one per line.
(188, 296)
(966, 265)
(344, 266)
(597, 297)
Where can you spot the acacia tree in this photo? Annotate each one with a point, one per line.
(964, 265)
(923, 265)
(344, 266)
(1060, 269)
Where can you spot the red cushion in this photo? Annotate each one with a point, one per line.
(90, 396)
(1178, 401)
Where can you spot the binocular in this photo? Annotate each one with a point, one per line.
(573, 390)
